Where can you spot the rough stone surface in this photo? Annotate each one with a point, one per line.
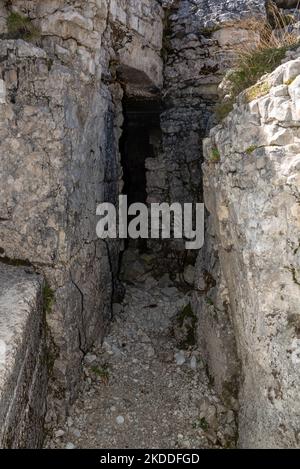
(252, 195)
(199, 46)
(137, 394)
(23, 370)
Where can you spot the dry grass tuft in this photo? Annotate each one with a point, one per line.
(255, 60)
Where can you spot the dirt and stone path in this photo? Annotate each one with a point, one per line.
(146, 386)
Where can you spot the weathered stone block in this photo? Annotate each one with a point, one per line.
(23, 362)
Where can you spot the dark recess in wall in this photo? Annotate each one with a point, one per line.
(141, 119)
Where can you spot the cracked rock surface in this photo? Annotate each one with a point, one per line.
(253, 197)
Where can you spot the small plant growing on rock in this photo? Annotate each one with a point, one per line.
(201, 423)
(289, 82)
(21, 27)
(257, 91)
(48, 298)
(102, 372)
(251, 149)
(215, 155)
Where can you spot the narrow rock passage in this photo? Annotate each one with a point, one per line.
(141, 390)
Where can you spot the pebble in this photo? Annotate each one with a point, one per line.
(76, 432)
(180, 358)
(189, 274)
(70, 446)
(120, 420)
(89, 359)
(59, 433)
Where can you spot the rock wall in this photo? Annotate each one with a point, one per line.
(23, 369)
(60, 124)
(199, 41)
(252, 194)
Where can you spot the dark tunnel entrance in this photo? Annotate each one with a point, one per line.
(141, 131)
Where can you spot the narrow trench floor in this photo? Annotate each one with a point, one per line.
(141, 390)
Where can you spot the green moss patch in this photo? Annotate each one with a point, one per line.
(101, 372)
(21, 27)
(48, 298)
(251, 149)
(215, 156)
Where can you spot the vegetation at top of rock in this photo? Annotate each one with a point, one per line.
(21, 27)
(256, 91)
(254, 61)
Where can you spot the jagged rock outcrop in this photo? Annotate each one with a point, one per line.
(252, 194)
(23, 371)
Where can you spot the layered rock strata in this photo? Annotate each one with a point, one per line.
(252, 194)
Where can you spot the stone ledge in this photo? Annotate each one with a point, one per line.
(23, 371)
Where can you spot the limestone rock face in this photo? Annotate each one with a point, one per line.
(198, 49)
(252, 195)
(214, 13)
(56, 156)
(60, 124)
(23, 371)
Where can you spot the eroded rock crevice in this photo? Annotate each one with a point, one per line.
(147, 381)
